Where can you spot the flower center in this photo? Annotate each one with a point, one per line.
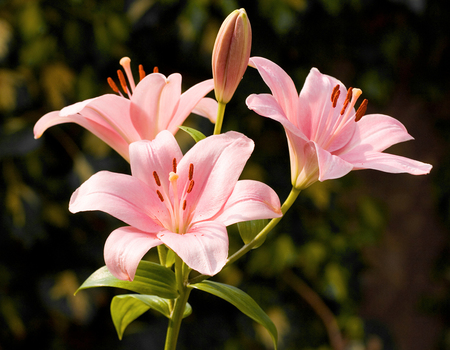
(180, 217)
(333, 124)
(125, 63)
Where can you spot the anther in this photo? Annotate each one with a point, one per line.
(141, 72)
(155, 175)
(174, 165)
(184, 204)
(191, 171)
(155, 70)
(335, 99)
(347, 100)
(191, 186)
(361, 110)
(161, 198)
(113, 85)
(122, 80)
(333, 93)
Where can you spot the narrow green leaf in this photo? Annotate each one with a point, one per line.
(242, 301)
(127, 307)
(196, 135)
(151, 278)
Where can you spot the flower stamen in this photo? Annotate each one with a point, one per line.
(335, 95)
(191, 186)
(184, 204)
(174, 165)
(156, 177)
(361, 110)
(161, 198)
(155, 70)
(191, 171)
(347, 100)
(113, 86)
(123, 82)
(141, 72)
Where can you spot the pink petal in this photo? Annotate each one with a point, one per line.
(250, 200)
(145, 104)
(280, 84)
(267, 106)
(122, 196)
(315, 104)
(204, 248)
(157, 155)
(390, 163)
(207, 107)
(375, 132)
(124, 249)
(218, 162)
(105, 116)
(188, 100)
(331, 166)
(169, 101)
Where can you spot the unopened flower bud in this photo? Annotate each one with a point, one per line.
(231, 54)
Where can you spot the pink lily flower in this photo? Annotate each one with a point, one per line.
(327, 138)
(154, 104)
(184, 202)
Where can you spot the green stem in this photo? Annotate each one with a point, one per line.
(260, 236)
(219, 120)
(180, 304)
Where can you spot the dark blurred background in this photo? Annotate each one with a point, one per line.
(371, 248)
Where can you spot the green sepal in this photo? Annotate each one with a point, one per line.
(195, 134)
(249, 229)
(150, 278)
(242, 301)
(127, 307)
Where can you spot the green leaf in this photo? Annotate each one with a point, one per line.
(242, 301)
(150, 278)
(196, 135)
(126, 308)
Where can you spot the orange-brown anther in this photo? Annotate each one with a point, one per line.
(347, 100)
(191, 186)
(361, 110)
(161, 198)
(191, 171)
(335, 98)
(184, 204)
(113, 85)
(141, 72)
(122, 80)
(333, 93)
(155, 70)
(174, 165)
(155, 175)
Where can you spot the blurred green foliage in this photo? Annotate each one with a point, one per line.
(57, 52)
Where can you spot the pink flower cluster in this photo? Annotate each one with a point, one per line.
(186, 202)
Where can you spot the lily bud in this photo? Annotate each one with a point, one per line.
(231, 54)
